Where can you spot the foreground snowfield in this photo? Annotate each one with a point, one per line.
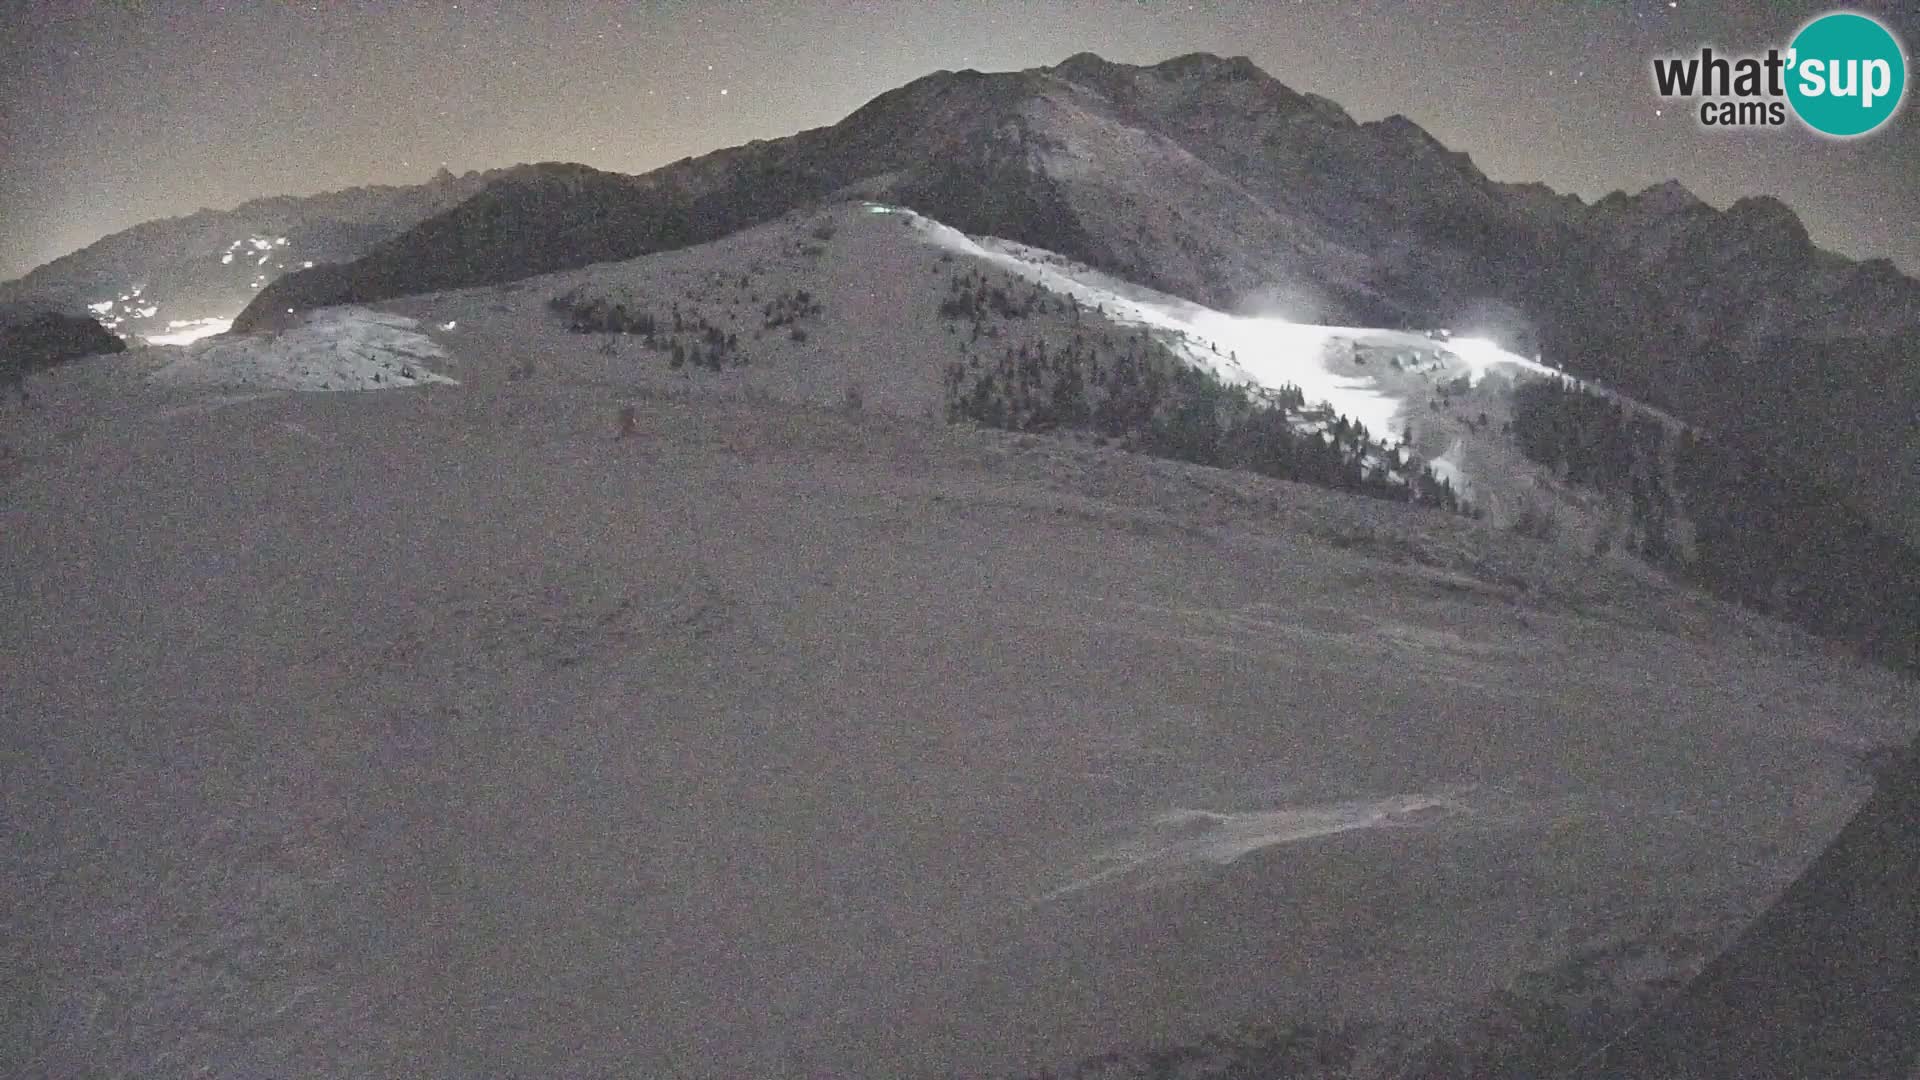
(444, 732)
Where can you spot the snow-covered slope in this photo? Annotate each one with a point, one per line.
(332, 349)
(878, 273)
(447, 733)
(854, 302)
(1206, 178)
(1442, 393)
(1327, 363)
(1378, 377)
(880, 745)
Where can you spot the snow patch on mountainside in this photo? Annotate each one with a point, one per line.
(347, 348)
(1179, 839)
(1447, 466)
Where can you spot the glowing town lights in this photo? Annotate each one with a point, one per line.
(188, 331)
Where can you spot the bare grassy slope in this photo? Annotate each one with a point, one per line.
(441, 732)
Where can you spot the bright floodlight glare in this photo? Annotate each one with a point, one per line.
(1478, 353)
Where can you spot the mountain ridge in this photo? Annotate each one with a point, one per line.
(206, 265)
(1203, 177)
(1188, 95)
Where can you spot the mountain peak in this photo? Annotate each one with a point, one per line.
(1403, 130)
(1093, 71)
(1668, 196)
(1197, 67)
(1657, 200)
(1763, 208)
(1403, 137)
(1084, 61)
(1209, 65)
(1769, 217)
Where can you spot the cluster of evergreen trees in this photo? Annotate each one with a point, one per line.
(687, 338)
(1598, 442)
(600, 317)
(1759, 535)
(789, 308)
(1785, 545)
(972, 297)
(1140, 393)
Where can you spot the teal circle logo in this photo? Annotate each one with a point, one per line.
(1846, 74)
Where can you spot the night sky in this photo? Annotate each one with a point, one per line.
(113, 113)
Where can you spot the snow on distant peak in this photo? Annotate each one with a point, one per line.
(347, 348)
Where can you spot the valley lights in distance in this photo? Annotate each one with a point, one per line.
(1843, 75)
